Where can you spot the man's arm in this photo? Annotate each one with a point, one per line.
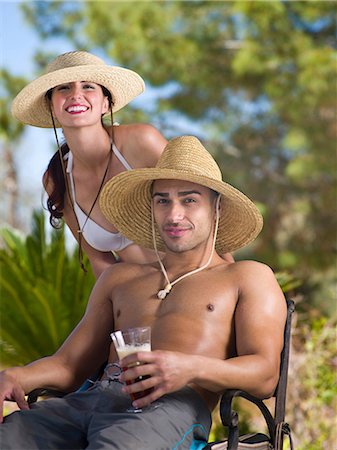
(259, 326)
(83, 351)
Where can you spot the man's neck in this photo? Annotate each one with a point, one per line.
(176, 264)
(178, 269)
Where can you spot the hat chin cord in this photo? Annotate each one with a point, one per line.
(163, 292)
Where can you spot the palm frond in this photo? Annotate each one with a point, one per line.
(44, 292)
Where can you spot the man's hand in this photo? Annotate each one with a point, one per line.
(10, 389)
(162, 372)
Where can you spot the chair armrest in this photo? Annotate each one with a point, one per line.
(229, 417)
(40, 392)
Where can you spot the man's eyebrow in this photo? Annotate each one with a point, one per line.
(184, 193)
(180, 194)
(160, 194)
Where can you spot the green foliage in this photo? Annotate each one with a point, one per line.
(312, 391)
(43, 293)
(10, 129)
(322, 376)
(287, 282)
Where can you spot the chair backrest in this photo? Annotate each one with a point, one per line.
(281, 388)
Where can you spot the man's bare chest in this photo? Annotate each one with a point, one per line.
(198, 297)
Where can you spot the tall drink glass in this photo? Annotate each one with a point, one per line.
(130, 341)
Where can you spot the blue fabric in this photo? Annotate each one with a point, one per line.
(196, 444)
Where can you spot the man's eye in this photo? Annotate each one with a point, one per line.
(189, 200)
(162, 201)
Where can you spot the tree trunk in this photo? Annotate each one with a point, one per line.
(11, 188)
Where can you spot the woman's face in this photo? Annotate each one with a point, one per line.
(79, 103)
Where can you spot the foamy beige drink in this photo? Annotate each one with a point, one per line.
(131, 341)
(128, 349)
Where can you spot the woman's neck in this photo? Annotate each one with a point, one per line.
(89, 146)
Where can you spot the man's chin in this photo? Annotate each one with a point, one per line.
(177, 247)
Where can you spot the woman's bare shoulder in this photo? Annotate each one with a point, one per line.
(137, 130)
(140, 143)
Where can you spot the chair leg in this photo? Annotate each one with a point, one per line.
(233, 432)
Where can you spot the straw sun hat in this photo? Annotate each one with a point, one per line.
(126, 198)
(30, 106)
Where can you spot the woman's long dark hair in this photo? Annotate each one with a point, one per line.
(55, 202)
(55, 173)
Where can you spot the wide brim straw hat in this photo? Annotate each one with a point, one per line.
(126, 199)
(30, 106)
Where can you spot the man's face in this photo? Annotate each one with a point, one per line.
(184, 213)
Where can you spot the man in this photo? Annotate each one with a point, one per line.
(215, 324)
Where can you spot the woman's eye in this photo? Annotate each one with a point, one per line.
(62, 87)
(88, 86)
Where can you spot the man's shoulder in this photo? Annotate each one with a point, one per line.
(257, 283)
(241, 276)
(247, 266)
(251, 264)
(125, 272)
(249, 275)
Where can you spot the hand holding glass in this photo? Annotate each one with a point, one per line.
(131, 341)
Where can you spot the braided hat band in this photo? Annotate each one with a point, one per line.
(30, 106)
(126, 199)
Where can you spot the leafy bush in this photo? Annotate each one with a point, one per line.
(43, 292)
(312, 392)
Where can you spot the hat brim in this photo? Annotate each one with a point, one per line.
(30, 106)
(126, 202)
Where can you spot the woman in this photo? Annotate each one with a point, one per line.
(77, 90)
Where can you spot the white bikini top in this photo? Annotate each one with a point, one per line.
(95, 235)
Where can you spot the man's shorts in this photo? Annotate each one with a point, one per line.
(97, 420)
